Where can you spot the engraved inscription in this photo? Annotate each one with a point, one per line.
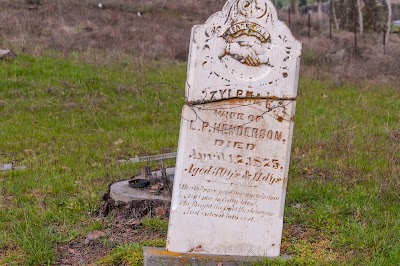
(236, 159)
(230, 204)
(239, 131)
(239, 157)
(229, 173)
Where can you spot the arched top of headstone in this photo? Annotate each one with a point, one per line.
(243, 46)
(237, 11)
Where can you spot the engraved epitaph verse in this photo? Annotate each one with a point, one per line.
(236, 131)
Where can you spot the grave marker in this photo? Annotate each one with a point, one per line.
(236, 133)
(7, 54)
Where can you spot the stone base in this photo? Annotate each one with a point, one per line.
(7, 54)
(122, 192)
(161, 257)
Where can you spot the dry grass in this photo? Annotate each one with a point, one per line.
(154, 29)
(336, 58)
(160, 30)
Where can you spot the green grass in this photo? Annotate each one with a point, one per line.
(156, 224)
(65, 120)
(345, 170)
(129, 254)
(395, 28)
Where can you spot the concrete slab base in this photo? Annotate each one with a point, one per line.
(122, 192)
(161, 257)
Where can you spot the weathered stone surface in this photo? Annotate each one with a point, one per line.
(125, 202)
(7, 54)
(161, 257)
(240, 52)
(6, 167)
(230, 182)
(9, 166)
(121, 191)
(236, 131)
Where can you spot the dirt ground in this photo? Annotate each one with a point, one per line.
(82, 251)
(124, 226)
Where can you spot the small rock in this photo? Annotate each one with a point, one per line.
(5, 167)
(7, 54)
(92, 236)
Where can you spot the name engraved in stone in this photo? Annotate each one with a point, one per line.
(214, 95)
(239, 131)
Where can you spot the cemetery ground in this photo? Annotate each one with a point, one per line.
(70, 121)
(70, 113)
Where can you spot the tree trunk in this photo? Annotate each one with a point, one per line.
(296, 7)
(389, 22)
(360, 16)
(320, 9)
(334, 15)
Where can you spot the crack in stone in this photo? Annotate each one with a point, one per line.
(200, 102)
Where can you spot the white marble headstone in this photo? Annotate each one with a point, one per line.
(236, 132)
